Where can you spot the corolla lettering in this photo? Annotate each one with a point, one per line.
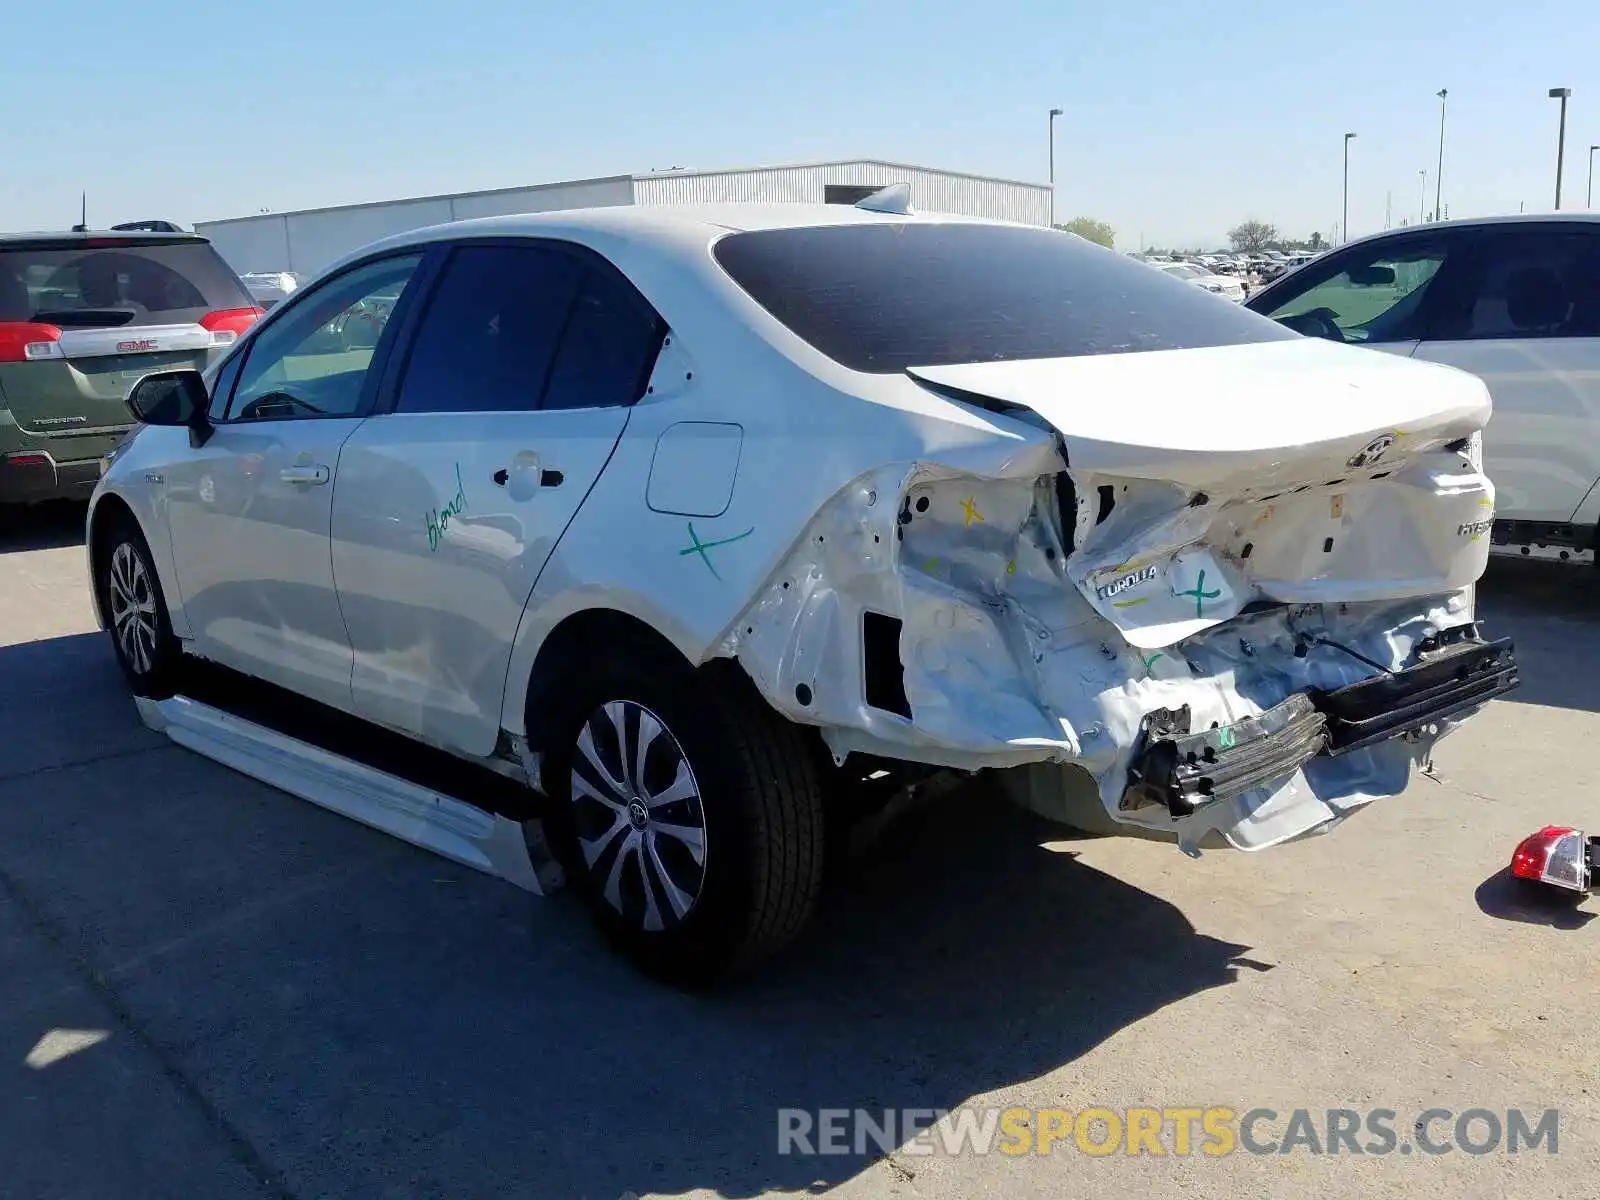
(1133, 579)
(439, 519)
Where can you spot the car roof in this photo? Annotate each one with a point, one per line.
(674, 228)
(1567, 217)
(725, 217)
(671, 222)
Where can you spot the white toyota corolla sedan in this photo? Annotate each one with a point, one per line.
(691, 518)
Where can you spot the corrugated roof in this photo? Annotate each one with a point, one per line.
(841, 162)
(522, 187)
(637, 175)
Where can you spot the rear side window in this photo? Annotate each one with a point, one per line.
(884, 297)
(608, 347)
(489, 336)
(116, 282)
(518, 328)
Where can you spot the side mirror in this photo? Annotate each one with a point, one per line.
(174, 398)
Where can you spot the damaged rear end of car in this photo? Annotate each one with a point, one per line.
(1217, 590)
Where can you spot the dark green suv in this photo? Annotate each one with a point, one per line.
(82, 317)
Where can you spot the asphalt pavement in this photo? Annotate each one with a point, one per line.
(211, 989)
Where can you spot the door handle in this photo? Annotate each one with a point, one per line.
(548, 479)
(308, 474)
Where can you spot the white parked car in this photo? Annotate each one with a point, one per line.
(1220, 285)
(269, 288)
(688, 517)
(1514, 300)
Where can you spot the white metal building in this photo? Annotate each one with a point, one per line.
(304, 242)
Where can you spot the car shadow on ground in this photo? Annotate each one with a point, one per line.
(42, 526)
(961, 960)
(373, 1020)
(1547, 609)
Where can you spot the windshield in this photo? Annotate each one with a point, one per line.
(115, 282)
(884, 297)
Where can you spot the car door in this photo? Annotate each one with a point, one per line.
(1527, 322)
(249, 510)
(1377, 293)
(506, 408)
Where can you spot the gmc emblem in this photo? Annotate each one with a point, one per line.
(134, 347)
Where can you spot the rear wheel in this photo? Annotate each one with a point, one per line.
(136, 613)
(689, 812)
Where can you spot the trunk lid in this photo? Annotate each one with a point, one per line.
(1205, 481)
(1261, 415)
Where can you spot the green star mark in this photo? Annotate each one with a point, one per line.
(700, 548)
(1200, 595)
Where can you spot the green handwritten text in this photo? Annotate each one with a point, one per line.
(439, 518)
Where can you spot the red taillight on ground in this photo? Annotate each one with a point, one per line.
(226, 324)
(1557, 855)
(28, 341)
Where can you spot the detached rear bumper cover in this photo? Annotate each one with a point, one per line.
(1184, 770)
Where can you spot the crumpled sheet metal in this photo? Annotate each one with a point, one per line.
(1015, 651)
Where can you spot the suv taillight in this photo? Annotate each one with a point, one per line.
(226, 324)
(28, 341)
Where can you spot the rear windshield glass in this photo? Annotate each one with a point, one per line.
(116, 284)
(884, 297)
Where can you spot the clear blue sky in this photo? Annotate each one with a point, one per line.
(1180, 118)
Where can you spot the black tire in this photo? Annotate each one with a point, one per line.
(756, 783)
(136, 612)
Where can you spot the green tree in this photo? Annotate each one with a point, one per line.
(1252, 235)
(1316, 241)
(1095, 231)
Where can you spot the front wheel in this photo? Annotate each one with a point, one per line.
(690, 814)
(136, 613)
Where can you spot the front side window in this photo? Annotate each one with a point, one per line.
(885, 296)
(1374, 295)
(314, 361)
(1533, 283)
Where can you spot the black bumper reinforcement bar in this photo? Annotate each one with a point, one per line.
(1184, 770)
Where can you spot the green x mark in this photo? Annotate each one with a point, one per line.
(1200, 595)
(700, 548)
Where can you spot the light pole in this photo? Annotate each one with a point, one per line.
(1588, 201)
(1422, 196)
(1561, 94)
(1438, 176)
(1344, 225)
(1054, 113)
